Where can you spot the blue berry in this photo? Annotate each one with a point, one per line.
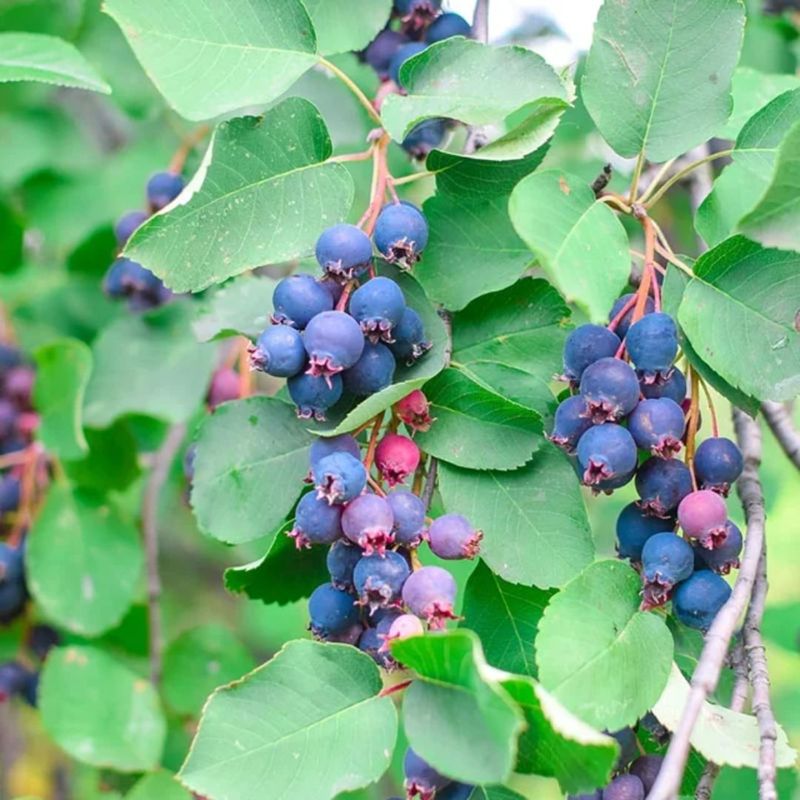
(163, 188)
(13, 679)
(671, 384)
(297, 299)
(378, 306)
(604, 452)
(667, 559)
(452, 537)
(447, 25)
(724, 558)
(372, 372)
(421, 778)
(625, 322)
(371, 643)
(607, 485)
(10, 356)
(127, 224)
(368, 521)
(409, 343)
(341, 561)
(624, 787)
(10, 491)
(456, 791)
(585, 345)
(718, 463)
(652, 344)
(401, 234)
(657, 426)
(339, 477)
(699, 598)
(334, 342)
(13, 597)
(409, 517)
(314, 395)
(126, 278)
(331, 611)
(628, 747)
(316, 521)
(11, 564)
(430, 593)
(279, 351)
(571, 421)
(379, 578)
(324, 446)
(344, 251)
(401, 55)
(634, 528)
(646, 769)
(610, 388)
(381, 50)
(662, 484)
(423, 138)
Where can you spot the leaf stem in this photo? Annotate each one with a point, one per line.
(189, 142)
(665, 168)
(637, 174)
(351, 85)
(615, 199)
(415, 176)
(361, 156)
(681, 174)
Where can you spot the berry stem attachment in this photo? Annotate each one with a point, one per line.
(682, 173)
(691, 435)
(660, 175)
(190, 141)
(375, 486)
(373, 441)
(615, 200)
(649, 258)
(351, 85)
(27, 494)
(430, 482)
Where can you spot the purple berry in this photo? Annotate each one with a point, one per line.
(652, 344)
(422, 780)
(718, 463)
(8, 418)
(279, 351)
(341, 561)
(699, 598)
(371, 643)
(634, 528)
(127, 224)
(401, 233)
(604, 452)
(409, 517)
(452, 536)
(324, 446)
(646, 769)
(11, 564)
(379, 578)
(378, 306)
(625, 322)
(401, 55)
(381, 50)
(667, 559)
(368, 522)
(297, 299)
(724, 558)
(334, 342)
(312, 395)
(373, 371)
(624, 787)
(344, 251)
(662, 483)
(423, 138)
(331, 611)
(430, 593)
(585, 345)
(316, 522)
(339, 477)
(13, 677)
(657, 426)
(704, 516)
(571, 421)
(10, 356)
(13, 597)
(10, 492)
(163, 188)
(224, 387)
(671, 385)
(447, 25)
(610, 388)
(409, 343)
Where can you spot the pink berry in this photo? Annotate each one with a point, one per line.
(396, 457)
(452, 536)
(403, 627)
(224, 386)
(703, 516)
(414, 411)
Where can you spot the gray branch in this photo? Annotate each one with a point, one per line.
(782, 427)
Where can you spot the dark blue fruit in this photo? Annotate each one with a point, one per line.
(126, 278)
(571, 421)
(401, 55)
(724, 558)
(11, 564)
(379, 578)
(127, 224)
(163, 188)
(401, 234)
(341, 561)
(662, 484)
(381, 50)
(423, 138)
(297, 299)
(604, 452)
(13, 597)
(409, 343)
(646, 769)
(339, 477)
(447, 25)
(372, 372)
(697, 600)
(607, 485)
(279, 351)
(404, 7)
(10, 491)
(585, 345)
(657, 426)
(671, 385)
(628, 747)
(314, 395)
(331, 611)
(625, 322)
(624, 787)
(316, 521)
(324, 446)
(421, 778)
(610, 388)
(13, 678)
(371, 643)
(378, 306)
(344, 251)
(334, 342)
(652, 344)
(718, 463)
(409, 517)
(456, 791)
(8, 417)
(634, 528)
(667, 559)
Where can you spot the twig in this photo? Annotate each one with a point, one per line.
(430, 482)
(158, 475)
(190, 141)
(681, 174)
(707, 673)
(782, 427)
(353, 87)
(476, 134)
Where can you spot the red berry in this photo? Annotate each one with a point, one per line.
(396, 457)
(414, 411)
(703, 516)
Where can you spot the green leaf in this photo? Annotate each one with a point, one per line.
(308, 724)
(62, 374)
(344, 25)
(597, 653)
(473, 249)
(164, 370)
(100, 712)
(721, 735)
(262, 195)
(112, 460)
(197, 662)
(477, 428)
(12, 233)
(47, 59)
(578, 240)
(535, 528)
(158, 786)
(740, 324)
(457, 716)
(252, 456)
(652, 83)
(242, 307)
(506, 617)
(480, 85)
(218, 55)
(84, 560)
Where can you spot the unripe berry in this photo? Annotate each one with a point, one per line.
(324, 446)
(163, 188)
(703, 516)
(624, 787)
(451, 537)
(662, 484)
(667, 559)
(373, 371)
(341, 561)
(634, 528)
(316, 521)
(698, 599)
(379, 579)
(447, 25)
(409, 343)
(724, 558)
(430, 593)
(422, 780)
(657, 426)
(624, 323)
(224, 387)
(671, 384)
(652, 344)
(344, 251)
(297, 299)
(409, 517)
(127, 224)
(571, 421)
(610, 388)
(718, 463)
(314, 395)
(368, 521)
(585, 345)
(401, 230)
(396, 457)
(403, 627)
(279, 351)
(339, 477)
(378, 306)
(414, 411)
(333, 342)
(604, 452)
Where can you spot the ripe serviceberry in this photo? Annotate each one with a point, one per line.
(368, 522)
(646, 769)
(570, 422)
(652, 345)
(718, 463)
(430, 593)
(378, 306)
(13, 677)
(13, 597)
(339, 477)
(422, 780)
(10, 492)
(605, 452)
(344, 251)
(316, 521)
(608, 485)
(373, 371)
(396, 457)
(163, 188)
(332, 611)
(279, 351)
(447, 25)
(409, 343)
(671, 385)
(297, 299)
(42, 639)
(381, 50)
(127, 224)
(456, 791)
(402, 627)
(585, 345)
(667, 559)
(334, 444)
(452, 536)
(634, 528)
(333, 342)
(657, 426)
(313, 395)
(11, 563)
(224, 387)
(662, 483)
(724, 558)
(703, 516)
(697, 600)
(628, 747)
(624, 787)
(341, 561)
(401, 233)
(624, 323)
(423, 138)
(126, 278)
(371, 643)
(610, 388)
(414, 411)
(409, 517)
(379, 579)
(401, 55)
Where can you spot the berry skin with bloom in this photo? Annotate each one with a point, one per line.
(401, 234)
(127, 224)
(312, 395)
(667, 559)
(585, 345)
(403, 627)
(344, 251)
(334, 342)
(703, 516)
(646, 769)
(570, 422)
(332, 612)
(316, 522)
(423, 138)
(447, 25)
(699, 598)
(297, 299)
(414, 411)
(634, 528)
(409, 343)
(341, 561)
(718, 463)
(605, 452)
(624, 324)
(652, 344)
(396, 457)
(624, 787)
(381, 50)
(378, 306)
(324, 446)
(279, 351)
(368, 521)
(430, 593)
(610, 388)
(657, 426)
(662, 483)
(373, 371)
(422, 780)
(339, 477)
(163, 188)
(126, 278)
(401, 55)
(452, 537)
(379, 579)
(671, 385)
(409, 517)
(724, 558)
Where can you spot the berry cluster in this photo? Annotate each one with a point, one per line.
(621, 409)
(329, 337)
(129, 279)
(635, 784)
